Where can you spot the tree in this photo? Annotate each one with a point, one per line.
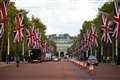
(52, 46)
(11, 25)
(108, 7)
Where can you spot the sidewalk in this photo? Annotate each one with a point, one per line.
(3, 64)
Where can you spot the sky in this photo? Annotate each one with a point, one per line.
(61, 16)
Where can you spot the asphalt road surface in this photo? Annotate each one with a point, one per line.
(55, 71)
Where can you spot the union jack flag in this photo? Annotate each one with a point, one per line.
(3, 11)
(116, 32)
(19, 34)
(85, 41)
(1, 29)
(106, 29)
(5, 4)
(94, 36)
(82, 44)
(89, 40)
(36, 39)
(30, 37)
(44, 47)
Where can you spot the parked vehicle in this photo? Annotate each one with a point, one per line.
(36, 56)
(65, 58)
(54, 58)
(92, 60)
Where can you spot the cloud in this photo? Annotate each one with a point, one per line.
(62, 16)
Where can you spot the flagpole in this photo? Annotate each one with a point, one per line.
(0, 54)
(116, 50)
(1, 49)
(8, 51)
(91, 51)
(87, 54)
(116, 47)
(23, 50)
(102, 51)
(95, 52)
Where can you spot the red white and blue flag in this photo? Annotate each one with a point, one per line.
(116, 32)
(30, 37)
(19, 34)
(89, 39)
(94, 36)
(44, 47)
(5, 4)
(106, 29)
(36, 40)
(83, 43)
(3, 11)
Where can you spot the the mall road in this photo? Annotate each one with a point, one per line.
(43, 71)
(58, 71)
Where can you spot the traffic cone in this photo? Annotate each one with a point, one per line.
(80, 64)
(92, 70)
(85, 65)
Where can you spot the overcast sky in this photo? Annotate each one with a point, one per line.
(61, 16)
